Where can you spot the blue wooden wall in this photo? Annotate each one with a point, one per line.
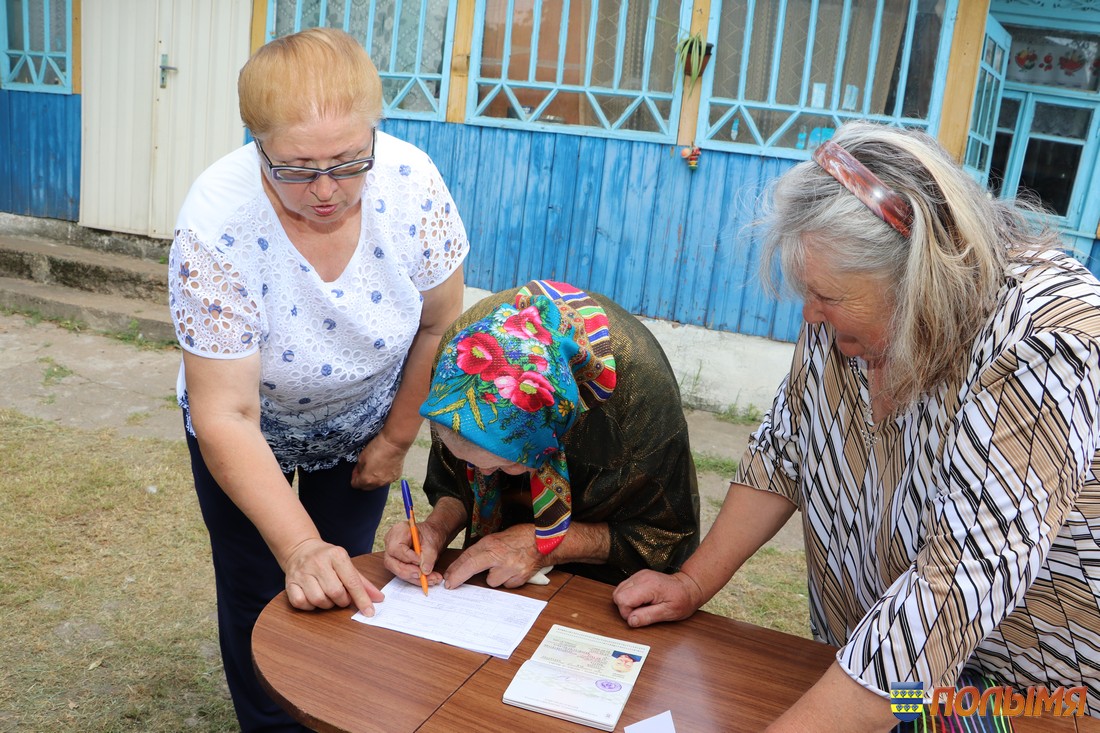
(40, 154)
(624, 218)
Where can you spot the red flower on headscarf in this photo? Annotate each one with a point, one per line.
(538, 362)
(529, 391)
(479, 353)
(527, 324)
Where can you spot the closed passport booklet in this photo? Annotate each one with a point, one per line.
(582, 677)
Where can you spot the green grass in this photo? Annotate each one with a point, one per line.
(741, 414)
(52, 372)
(131, 334)
(107, 591)
(708, 463)
(769, 590)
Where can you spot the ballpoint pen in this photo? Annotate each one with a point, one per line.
(406, 496)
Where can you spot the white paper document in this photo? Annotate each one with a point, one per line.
(480, 619)
(657, 724)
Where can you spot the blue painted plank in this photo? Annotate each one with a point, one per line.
(636, 212)
(510, 206)
(397, 128)
(578, 256)
(702, 227)
(758, 310)
(727, 279)
(560, 206)
(608, 245)
(483, 219)
(41, 140)
(528, 251)
(447, 145)
(665, 247)
(69, 197)
(22, 161)
(788, 320)
(7, 142)
(734, 254)
(40, 154)
(462, 182)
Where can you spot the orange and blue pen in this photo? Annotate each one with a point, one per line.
(406, 496)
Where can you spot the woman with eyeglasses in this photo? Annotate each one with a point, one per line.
(312, 275)
(939, 432)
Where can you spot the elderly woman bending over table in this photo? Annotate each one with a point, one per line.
(938, 430)
(559, 439)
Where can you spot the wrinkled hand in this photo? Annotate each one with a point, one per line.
(401, 559)
(320, 575)
(648, 597)
(510, 556)
(380, 463)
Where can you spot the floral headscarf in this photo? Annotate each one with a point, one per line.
(510, 384)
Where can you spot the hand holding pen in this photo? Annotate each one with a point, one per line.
(406, 496)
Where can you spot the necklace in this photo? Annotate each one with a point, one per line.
(866, 430)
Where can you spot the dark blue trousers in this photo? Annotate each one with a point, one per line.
(247, 576)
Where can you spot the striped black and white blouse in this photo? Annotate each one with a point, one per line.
(966, 531)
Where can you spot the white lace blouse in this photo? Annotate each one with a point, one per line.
(331, 352)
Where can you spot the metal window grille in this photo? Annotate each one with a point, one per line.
(602, 67)
(788, 72)
(37, 52)
(408, 40)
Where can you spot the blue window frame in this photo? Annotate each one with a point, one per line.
(38, 38)
(595, 67)
(408, 40)
(788, 72)
(1047, 144)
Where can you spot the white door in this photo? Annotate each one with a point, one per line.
(147, 132)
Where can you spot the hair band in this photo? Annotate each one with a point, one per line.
(883, 201)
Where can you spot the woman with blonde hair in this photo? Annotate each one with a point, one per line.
(312, 274)
(938, 430)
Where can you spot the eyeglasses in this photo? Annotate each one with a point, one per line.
(883, 201)
(302, 174)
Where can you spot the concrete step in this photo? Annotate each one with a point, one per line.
(53, 263)
(138, 319)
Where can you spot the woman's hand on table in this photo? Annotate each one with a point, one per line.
(401, 558)
(320, 575)
(509, 555)
(648, 597)
(380, 463)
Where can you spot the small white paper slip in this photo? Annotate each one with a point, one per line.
(657, 724)
(479, 619)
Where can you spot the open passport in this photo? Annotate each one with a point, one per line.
(582, 677)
